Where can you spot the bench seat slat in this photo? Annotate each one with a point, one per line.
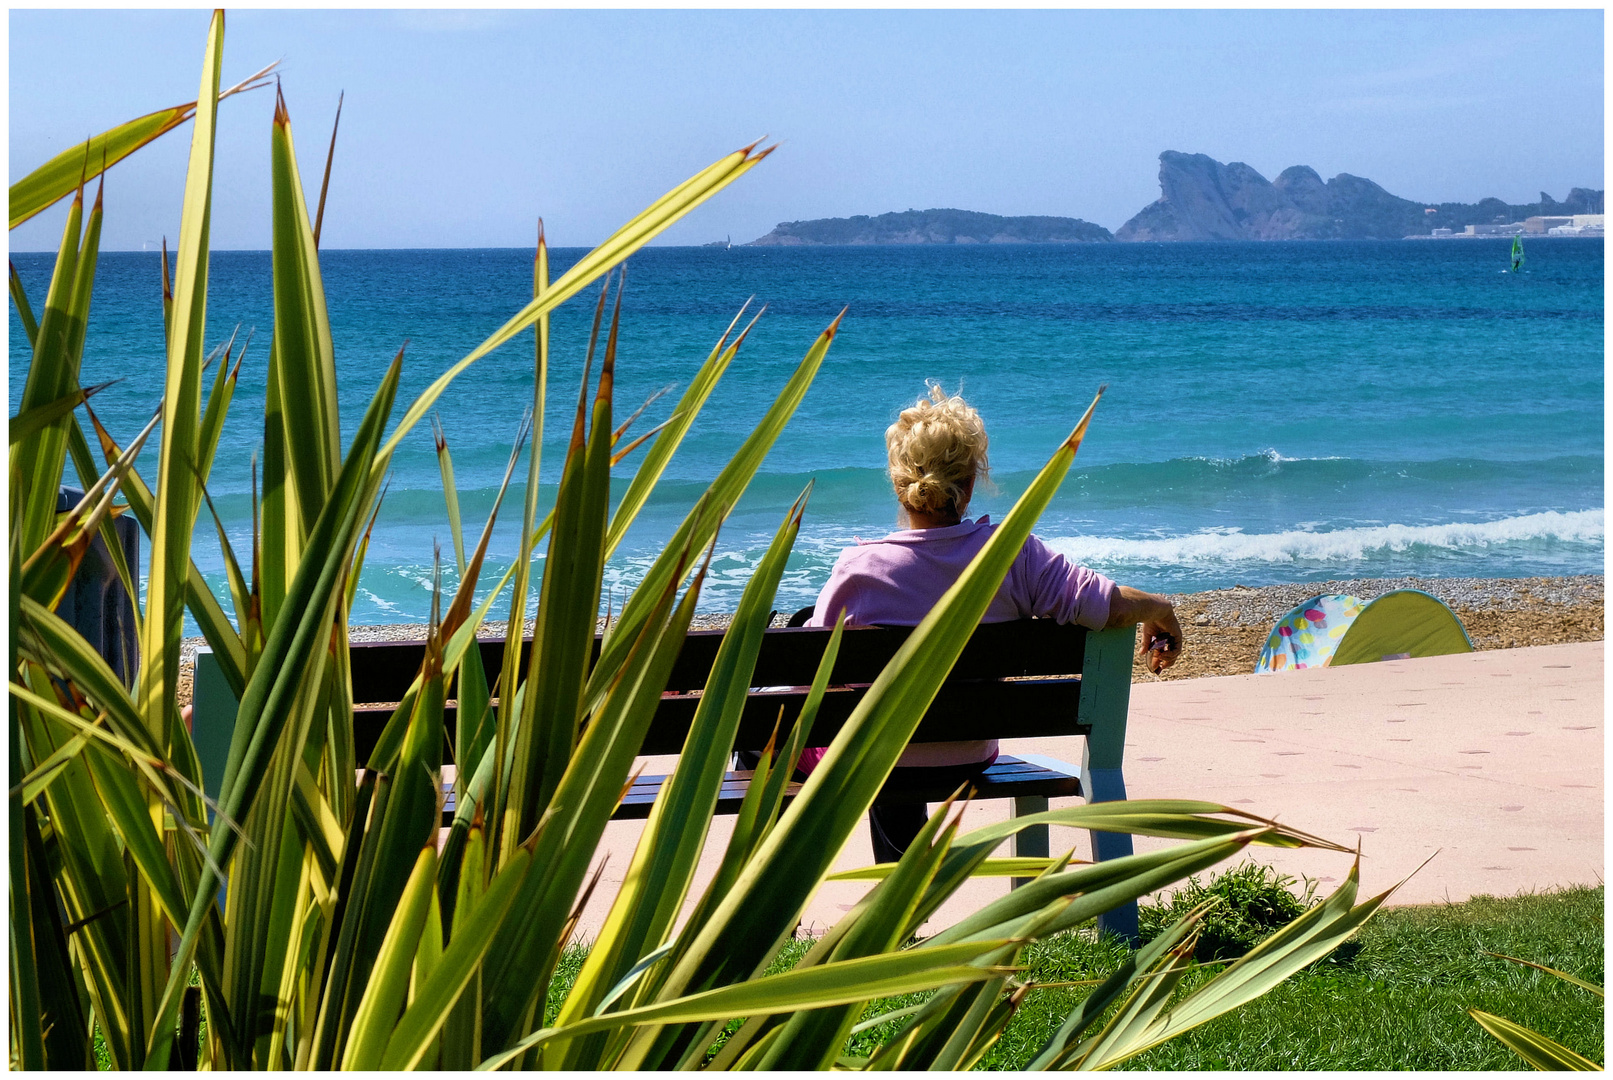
(1008, 777)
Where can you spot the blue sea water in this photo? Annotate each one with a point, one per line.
(1275, 412)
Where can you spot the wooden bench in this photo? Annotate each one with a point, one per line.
(1027, 679)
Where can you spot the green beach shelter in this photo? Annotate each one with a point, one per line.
(1331, 629)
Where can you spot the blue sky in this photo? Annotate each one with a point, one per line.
(461, 128)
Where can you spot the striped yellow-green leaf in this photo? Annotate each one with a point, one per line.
(617, 247)
(30, 421)
(304, 357)
(1563, 975)
(389, 979)
(1019, 866)
(57, 178)
(672, 433)
(1545, 1054)
(1307, 939)
(796, 855)
(700, 525)
(426, 1014)
(266, 704)
(589, 792)
(663, 864)
(177, 503)
(829, 984)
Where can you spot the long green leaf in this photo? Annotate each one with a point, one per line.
(659, 216)
(36, 462)
(389, 979)
(664, 861)
(304, 625)
(304, 360)
(31, 421)
(829, 984)
(671, 435)
(57, 178)
(176, 505)
(700, 525)
(797, 854)
(426, 1015)
(1545, 1054)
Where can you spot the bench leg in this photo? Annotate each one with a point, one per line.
(1032, 841)
(1108, 785)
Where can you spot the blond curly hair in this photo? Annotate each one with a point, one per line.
(936, 448)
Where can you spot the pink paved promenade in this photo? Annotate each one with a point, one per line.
(1494, 760)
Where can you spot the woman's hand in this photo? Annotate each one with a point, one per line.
(1161, 638)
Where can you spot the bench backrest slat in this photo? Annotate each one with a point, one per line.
(382, 671)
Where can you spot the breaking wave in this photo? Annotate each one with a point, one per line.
(1358, 544)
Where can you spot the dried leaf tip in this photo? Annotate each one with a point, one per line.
(282, 118)
(834, 327)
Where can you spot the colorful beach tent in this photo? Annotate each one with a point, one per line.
(1333, 629)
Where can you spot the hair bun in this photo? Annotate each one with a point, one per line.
(936, 450)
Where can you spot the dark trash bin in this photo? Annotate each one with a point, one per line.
(96, 604)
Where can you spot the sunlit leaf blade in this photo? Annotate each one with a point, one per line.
(36, 462)
(672, 433)
(221, 637)
(383, 997)
(304, 625)
(429, 1010)
(663, 864)
(330, 157)
(829, 984)
(1019, 866)
(700, 525)
(25, 310)
(1545, 1054)
(175, 509)
(305, 362)
(57, 178)
(30, 421)
(616, 248)
(1565, 976)
(798, 852)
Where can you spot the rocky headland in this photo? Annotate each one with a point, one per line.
(1203, 199)
(934, 227)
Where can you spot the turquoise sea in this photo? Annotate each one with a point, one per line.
(1276, 412)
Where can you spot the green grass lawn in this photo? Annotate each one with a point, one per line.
(1400, 1003)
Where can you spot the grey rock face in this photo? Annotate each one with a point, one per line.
(1202, 199)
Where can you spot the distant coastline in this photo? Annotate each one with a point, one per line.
(1202, 199)
(933, 227)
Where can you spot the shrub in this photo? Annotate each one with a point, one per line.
(1251, 901)
(346, 937)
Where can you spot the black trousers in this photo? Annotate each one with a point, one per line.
(893, 826)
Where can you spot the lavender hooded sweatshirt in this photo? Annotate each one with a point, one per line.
(897, 580)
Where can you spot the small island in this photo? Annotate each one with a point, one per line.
(934, 227)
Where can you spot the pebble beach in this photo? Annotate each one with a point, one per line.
(1225, 628)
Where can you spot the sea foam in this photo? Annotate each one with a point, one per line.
(1335, 546)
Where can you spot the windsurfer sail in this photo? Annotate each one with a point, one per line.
(1517, 253)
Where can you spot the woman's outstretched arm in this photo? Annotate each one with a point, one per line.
(1132, 606)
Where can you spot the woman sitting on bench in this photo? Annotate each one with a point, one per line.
(937, 451)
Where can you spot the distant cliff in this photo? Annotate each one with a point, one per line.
(935, 227)
(1202, 199)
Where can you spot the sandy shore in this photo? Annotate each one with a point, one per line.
(1226, 628)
